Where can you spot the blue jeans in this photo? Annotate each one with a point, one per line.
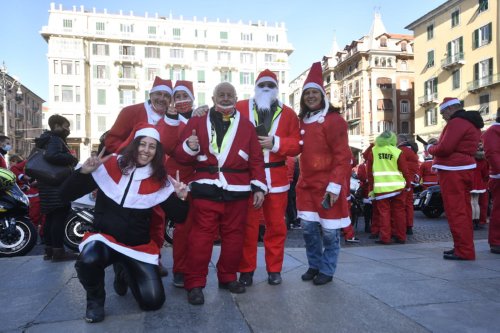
(323, 260)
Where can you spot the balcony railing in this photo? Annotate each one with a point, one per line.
(452, 61)
(428, 99)
(127, 82)
(483, 82)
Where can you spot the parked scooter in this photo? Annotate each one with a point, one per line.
(429, 202)
(18, 235)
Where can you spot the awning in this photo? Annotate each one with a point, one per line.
(384, 80)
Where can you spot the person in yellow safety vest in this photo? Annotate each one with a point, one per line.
(389, 182)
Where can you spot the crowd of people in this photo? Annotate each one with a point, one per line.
(220, 172)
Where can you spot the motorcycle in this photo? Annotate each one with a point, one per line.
(18, 235)
(429, 202)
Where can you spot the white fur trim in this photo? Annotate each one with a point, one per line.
(497, 176)
(188, 150)
(334, 188)
(451, 102)
(182, 88)
(148, 131)
(161, 88)
(278, 189)
(171, 122)
(276, 145)
(325, 223)
(454, 168)
(243, 155)
(259, 184)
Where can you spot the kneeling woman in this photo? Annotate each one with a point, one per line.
(129, 219)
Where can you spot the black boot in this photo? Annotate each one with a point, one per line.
(120, 283)
(48, 253)
(476, 224)
(95, 304)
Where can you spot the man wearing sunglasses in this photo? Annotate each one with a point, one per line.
(277, 127)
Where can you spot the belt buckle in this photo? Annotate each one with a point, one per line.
(213, 169)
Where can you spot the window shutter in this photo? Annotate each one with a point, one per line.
(230, 76)
(106, 50)
(448, 49)
(490, 66)
(476, 71)
(475, 39)
(461, 45)
(252, 78)
(490, 32)
(94, 71)
(435, 83)
(183, 74)
(171, 73)
(241, 78)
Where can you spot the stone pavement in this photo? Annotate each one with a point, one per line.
(396, 288)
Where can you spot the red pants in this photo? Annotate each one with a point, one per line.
(348, 232)
(391, 209)
(483, 207)
(375, 227)
(274, 208)
(455, 190)
(409, 208)
(494, 230)
(181, 245)
(208, 217)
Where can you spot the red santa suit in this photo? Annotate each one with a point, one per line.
(3, 162)
(412, 164)
(324, 167)
(428, 175)
(454, 159)
(491, 145)
(285, 131)
(220, 190)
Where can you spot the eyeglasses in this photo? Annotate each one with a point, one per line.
(269, 85)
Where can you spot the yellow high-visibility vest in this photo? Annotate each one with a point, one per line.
(386, 175)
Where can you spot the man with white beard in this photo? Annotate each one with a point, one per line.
(277, 128)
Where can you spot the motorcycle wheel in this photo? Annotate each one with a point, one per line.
(72, 233)
(169, 231)
(23, 241)
(432, 212)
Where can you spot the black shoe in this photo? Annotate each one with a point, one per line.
(353, 240)
(120, 283)
(398, 241)
(495, 249)
(235, 287)
(321, 279)
(274, 279)
(246, 278)
(95, 311)
(452, 256)
(409, 230)
(196, 297)
(179, 280)
(449, 251)
(310, 274)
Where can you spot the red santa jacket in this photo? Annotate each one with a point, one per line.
(240, 151)
(134, 114)
(411, 163)
(3, 162)
(491, 146)
(186, 171)
(428, 175)
(480, 176)
(285, 131)
(457, 146)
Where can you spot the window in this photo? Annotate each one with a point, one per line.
(272, 38)
(201, 55)
(100, 27)
(455, 18)
(223, 56)
(127, 50)
(100, 49)
(246, 58)
(126, 28)
(430, 87)
(77, 94)
(454, 50)
(67, 24)
(430, 31)
(404, 106)
(483, 71)
(200, 33)
(57, 93)
(430, 59)
(100, 72)
(201, 98)
(176, 53)
(225, 76)
(483, 5)
(67, 93)
(246, 78)
(456, 79)
(384, 104)
(430, 117)
(77, 68)
(152, 30)
(66, 67)
(404, 85)
(481, 36)
(484, 104)
(127, 72)
(152, 52)
(201, 76)
(151, 73)
(56, 67)
(384, 125)
(405, 127)
(127, 97)
(223, 36)
(383, 42)
(176, 32)
(403, 46)
(245, 36)
(101, 96)
(101, 123)
(177, 74)
(78, 123)
(269, 57)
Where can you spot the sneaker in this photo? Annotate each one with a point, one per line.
(409, 230)
(353, 240)
(310, 274)
(235, 287)
(196, 297)
(321, 279)
(246, 278)
(274, 279)
(179, 280)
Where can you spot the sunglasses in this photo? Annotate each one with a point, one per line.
(266, 85)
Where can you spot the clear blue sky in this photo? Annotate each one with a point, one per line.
(310, 25)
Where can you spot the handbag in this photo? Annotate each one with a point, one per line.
(37, 167)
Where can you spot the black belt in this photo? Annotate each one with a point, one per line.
(274, 164)
(215, 169)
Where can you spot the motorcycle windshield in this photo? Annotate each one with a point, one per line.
(17, 194)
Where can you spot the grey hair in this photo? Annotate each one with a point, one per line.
(224, 84)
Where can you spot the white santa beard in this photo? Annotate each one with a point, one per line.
(265, 97)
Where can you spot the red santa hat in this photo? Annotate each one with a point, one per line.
(141, 129)
(161, 85)
(266, 76)
(448, 101)
(315, 80)
(186, 86)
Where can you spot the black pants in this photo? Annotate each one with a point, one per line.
(53, 229)
(143, 279)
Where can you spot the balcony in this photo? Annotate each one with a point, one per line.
(483, 82)
(428, 99)
(453, 61)
(127, 82)
(18, 133)
(125, 58)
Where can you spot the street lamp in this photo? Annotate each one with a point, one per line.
(7, 85)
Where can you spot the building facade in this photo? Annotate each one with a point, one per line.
(457, 55)
(102, 62)
(24, 115)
